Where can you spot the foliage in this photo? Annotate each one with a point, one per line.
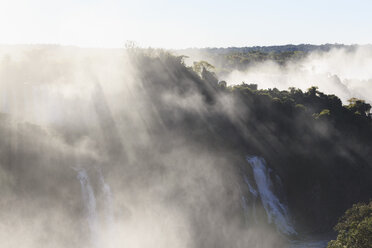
(355, 228)
(359, 106)
(239, 58)
(199, 66)
(325, 113)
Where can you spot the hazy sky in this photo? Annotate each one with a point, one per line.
(180, 24)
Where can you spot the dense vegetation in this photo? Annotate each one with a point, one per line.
(239, 58)
(354, 228)
(275, 49)
(321, 148)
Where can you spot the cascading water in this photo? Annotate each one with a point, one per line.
(109, 215)
(89, 200)
(276, 211)
(90, 204)
(250, 187)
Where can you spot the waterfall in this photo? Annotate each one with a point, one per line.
(250, 187)
(109, 214)
(276, 211)
(89, 199)
(90, 204)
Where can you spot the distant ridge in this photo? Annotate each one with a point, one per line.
(276, 49)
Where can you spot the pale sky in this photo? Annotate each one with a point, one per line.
(182, 24)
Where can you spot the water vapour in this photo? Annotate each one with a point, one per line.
(344, 72)
(97, 151)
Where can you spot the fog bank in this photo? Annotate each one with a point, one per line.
(340, 71)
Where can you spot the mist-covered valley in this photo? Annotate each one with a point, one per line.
(337, 69)
(145, 148)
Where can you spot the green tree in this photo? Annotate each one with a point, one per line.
(312, 91)
(359, 106)
(355, 228)
(323, 114)
(199, 66)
